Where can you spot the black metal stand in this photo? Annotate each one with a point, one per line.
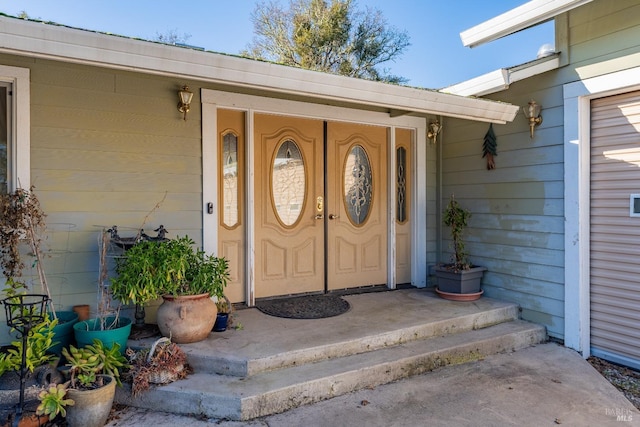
(140, 315)
(24, 312)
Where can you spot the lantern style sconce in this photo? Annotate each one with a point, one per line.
(434, 130)
(184, 103)
(532, 113)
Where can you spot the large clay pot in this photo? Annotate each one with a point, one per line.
(186, 319)
(91, 407)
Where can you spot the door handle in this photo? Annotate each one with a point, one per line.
(333, 216)
(319, 216)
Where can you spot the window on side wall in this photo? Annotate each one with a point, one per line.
(5, 148)
(14, 129)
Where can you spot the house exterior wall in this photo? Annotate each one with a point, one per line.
(518, 224)
(107, 146)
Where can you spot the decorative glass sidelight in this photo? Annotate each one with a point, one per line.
(358, 185)
(230, 191)
(288, 182)
(401, 185)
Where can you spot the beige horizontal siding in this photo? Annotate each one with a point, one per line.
(615, 252)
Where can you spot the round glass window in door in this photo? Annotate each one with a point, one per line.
(288, 182)
(358, 185)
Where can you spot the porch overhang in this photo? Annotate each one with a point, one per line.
(519, 18)
(56, 42)
(501, 79)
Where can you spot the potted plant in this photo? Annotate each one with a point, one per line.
(94, 371)
(39, 361)
(163, 363)
(223, 318)
(458, 280)
(108, 326)
(186, 278)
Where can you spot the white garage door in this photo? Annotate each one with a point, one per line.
(615, 231)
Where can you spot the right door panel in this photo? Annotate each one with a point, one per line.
(357, 194)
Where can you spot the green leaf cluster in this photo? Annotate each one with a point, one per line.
(151, 269)
(94, 359)
(53, 402)
(39, 341)
(327, 35)
(457, 219)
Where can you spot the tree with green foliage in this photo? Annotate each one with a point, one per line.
(327, 35)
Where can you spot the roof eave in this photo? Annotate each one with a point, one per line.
(501, 79)
(30, 38)
(519, 18)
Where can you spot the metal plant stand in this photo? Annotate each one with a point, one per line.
(24, 312)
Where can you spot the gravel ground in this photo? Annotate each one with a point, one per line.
(626, 380)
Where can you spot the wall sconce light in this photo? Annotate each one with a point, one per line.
(532, 113)
(434, 131)
(184, 103)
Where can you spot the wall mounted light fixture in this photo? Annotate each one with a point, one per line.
(434, 131)
(184, 103)
(532, 113)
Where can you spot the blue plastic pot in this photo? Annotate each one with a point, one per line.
(63, 331)
(88, 330)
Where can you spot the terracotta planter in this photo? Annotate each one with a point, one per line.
(82, 310)
(186, 319)
(92, 407)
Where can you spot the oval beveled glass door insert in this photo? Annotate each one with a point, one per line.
(288, 182)
(358, 185)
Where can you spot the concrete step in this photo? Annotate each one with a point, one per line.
(212, 357)
(273, 391)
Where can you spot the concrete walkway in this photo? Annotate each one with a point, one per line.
(545, 385)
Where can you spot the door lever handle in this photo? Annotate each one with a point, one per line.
(319, 216)
(333, 216)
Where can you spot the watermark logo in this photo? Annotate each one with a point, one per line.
(621, 414)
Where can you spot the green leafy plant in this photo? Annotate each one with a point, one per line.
(151, 269)
(457, 219)
(91, 360)
(53, 402)
(39, 341)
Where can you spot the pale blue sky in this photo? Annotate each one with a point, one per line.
(436, 57)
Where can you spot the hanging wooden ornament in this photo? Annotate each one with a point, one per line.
(490, 147)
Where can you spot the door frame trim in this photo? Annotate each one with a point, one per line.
(577, 143)
(251, 104)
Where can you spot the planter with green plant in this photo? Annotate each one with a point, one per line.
(94, 372)
(223, 318)
(108, 326)
(184, 276)
(40, 363)
(458, 280)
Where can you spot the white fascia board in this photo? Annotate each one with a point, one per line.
(80, 46)
(520, 18)
(487, 83)
(499, 80)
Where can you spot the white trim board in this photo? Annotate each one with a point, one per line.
(519, 18)
(577, 111)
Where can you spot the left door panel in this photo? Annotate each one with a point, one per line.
(231, 203)
(289, 209)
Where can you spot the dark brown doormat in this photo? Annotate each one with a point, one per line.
(304, 307)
